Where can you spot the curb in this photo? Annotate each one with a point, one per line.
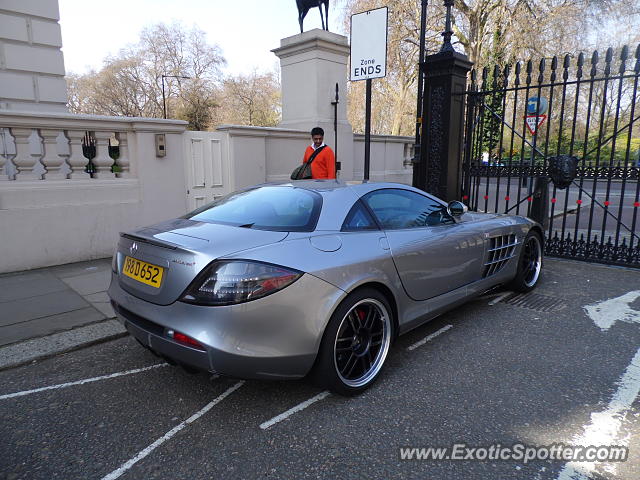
(28, 351)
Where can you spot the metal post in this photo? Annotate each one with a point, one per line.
(164, 101)
(164, 98)
(441, 139)
(448, 30)
(367, 131)
(423, 29)
(335, 129)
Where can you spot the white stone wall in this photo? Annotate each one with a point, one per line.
(52, 212)
(264, 154)
(31, 62)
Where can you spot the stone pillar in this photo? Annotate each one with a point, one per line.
(311, 64)
(77, 161)
(25, 162)
(439, 169)
(102, 160)
(52, 160)
(123, 160)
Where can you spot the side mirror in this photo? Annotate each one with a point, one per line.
(456, 208)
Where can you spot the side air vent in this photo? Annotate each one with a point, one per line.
(501, 249)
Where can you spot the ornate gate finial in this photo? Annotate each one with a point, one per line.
(448, 32)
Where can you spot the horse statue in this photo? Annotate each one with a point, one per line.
(305, 5)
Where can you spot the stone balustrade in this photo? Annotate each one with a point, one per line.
(50, 146)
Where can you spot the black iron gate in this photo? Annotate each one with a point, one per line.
(521, 122)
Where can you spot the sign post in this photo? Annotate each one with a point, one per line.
(368, 61)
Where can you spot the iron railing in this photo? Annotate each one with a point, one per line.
(519, 117)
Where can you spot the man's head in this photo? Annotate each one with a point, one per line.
(317, 135)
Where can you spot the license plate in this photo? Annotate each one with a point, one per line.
(144, 272)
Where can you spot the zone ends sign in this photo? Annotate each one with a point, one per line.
(369, 44)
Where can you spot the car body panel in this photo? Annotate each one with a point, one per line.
(423, 258)
(275, 335)
(183, 252)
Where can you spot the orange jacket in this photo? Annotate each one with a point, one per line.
(324, 165)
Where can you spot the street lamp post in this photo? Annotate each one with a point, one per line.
(423, 28)
(164, 98)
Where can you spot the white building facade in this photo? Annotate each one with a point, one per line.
(31, 61)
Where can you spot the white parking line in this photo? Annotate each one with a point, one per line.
(429, 337)
(604, 428)
(81, 382)
(293, 410)
(499, 298)
(167, 436)
(605, 425)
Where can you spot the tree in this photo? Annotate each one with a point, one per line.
(393, 109)
(489, 31)
(252, 99)
(197, 105)
(130, 83)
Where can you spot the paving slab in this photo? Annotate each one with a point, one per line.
(105, 308)
(25, 309)
(48, 325)
(15, 287)
(80, 268)
(90, 283)
(97, 297)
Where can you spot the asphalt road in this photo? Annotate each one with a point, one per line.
(499, 374)
(604, 218)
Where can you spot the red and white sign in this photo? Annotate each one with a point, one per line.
(534, 121)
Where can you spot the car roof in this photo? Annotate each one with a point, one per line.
(360, 187)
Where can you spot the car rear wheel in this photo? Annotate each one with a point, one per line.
(355, 344)
(529, 264)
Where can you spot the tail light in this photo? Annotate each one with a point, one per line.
(186, 340)
(231, 282)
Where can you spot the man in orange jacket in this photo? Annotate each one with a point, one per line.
(324, 165)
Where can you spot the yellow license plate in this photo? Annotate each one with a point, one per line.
(143, 272)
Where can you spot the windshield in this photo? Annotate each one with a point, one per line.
(280, 209)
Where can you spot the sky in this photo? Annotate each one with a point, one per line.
(245, 30)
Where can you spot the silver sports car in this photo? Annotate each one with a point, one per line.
(311, 277)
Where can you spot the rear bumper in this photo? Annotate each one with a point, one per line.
(274, 337)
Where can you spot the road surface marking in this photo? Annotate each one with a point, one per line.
(293, 410)
(499, 299)
(81, 382)
(606, 313)
(605, 425)
(429, 337)
(167, 436)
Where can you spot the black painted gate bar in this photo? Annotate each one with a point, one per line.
(523, 120)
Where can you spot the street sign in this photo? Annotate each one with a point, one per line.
(368, 61)
(534, 121)
(369, 44)
(537, 106)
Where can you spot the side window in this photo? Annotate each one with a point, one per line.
(395, 209)
(358, 218)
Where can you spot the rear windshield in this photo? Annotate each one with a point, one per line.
(280, 209)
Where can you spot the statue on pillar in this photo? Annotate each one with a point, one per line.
(305, 5)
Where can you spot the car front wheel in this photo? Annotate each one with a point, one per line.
(355, 344)
(529, 264)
